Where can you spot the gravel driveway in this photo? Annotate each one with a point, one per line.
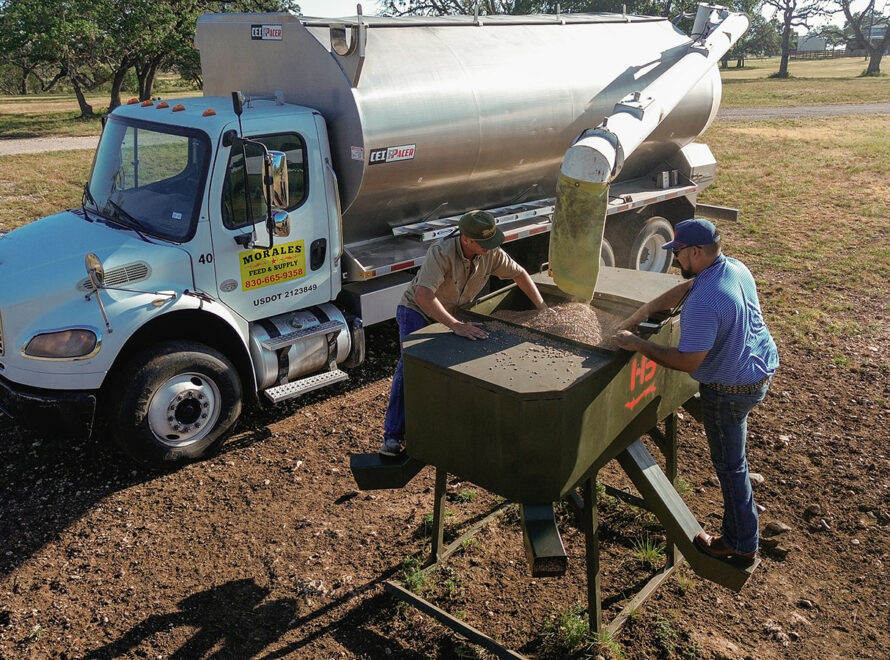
(44, 144)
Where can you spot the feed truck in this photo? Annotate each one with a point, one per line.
(231, 248)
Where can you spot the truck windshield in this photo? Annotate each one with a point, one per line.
(150, 177)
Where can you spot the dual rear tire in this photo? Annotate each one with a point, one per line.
(637, 243)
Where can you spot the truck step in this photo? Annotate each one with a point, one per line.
(291, 338)
(296, 388)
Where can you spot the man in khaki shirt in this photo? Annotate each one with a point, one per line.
(453, 273)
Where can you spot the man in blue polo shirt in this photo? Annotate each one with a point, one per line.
(725, 346)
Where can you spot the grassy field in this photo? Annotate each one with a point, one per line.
(42, 115)
(811, 82)
(815, 208)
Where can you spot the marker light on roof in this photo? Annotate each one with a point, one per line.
(209, 112)
(147, 103)
(132, 101)
(178, 107)
(162, 104)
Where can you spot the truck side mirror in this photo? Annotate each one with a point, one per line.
(277, 173)
(95, 271)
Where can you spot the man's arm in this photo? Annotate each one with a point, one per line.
(667, 300)
(666, 356)
(434, 308)
(524, 282)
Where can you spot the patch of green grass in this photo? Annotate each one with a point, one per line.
(36, 185)
(665, 636)
(648, 552)
(451, 582)
(426, 523)
(685, 582)
(37, 631)
(605, 642)
(413, 575)
(840, 361)
(571, 628)
(469, 543)
(683, 487)
(465, 496)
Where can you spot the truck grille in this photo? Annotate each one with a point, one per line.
(121, 275)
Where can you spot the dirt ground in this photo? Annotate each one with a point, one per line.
(269, 550)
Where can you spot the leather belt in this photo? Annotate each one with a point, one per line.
(738, 389)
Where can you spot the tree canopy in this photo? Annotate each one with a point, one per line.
(89, 43)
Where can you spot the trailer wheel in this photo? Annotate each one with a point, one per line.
(637, 243)
(174, 403)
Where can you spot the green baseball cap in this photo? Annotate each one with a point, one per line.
(481, 227)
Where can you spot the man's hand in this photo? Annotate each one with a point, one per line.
(627, 325)
(469, 329)
(626, 340)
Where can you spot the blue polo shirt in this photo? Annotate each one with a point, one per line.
(722, 315)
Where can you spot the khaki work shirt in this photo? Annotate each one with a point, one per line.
(455, 279)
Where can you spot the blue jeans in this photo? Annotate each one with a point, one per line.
(726, 425)
(394, 423)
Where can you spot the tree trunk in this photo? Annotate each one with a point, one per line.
(876, 54)
(146, 73)
(117, 81)
(86, 110)
(23, 87)
(786, 50)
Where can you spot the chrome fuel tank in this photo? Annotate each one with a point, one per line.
(430, 111)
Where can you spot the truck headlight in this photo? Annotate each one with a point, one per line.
(71, 344)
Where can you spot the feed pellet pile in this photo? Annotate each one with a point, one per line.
(572, 320)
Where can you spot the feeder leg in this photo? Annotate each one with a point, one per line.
(670, 466)
(438, 515)
(591, 534)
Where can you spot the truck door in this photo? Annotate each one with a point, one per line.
(255, 281)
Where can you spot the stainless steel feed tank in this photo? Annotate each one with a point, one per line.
(528, 415)
(482, 111)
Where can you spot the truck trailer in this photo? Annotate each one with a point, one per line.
(233, 247)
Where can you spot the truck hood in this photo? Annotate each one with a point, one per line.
(45, 280)
(50, 253)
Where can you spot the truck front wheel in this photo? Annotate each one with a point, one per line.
(174, 403)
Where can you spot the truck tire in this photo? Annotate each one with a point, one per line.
(607, 254)
(174, 403)
(637, 243)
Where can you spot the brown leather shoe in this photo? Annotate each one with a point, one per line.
(716, 547)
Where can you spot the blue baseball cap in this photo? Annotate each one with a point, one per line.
(696, 231)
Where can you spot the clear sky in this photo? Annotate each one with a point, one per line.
(336, 8)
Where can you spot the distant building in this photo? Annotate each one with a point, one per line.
(810, 43)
